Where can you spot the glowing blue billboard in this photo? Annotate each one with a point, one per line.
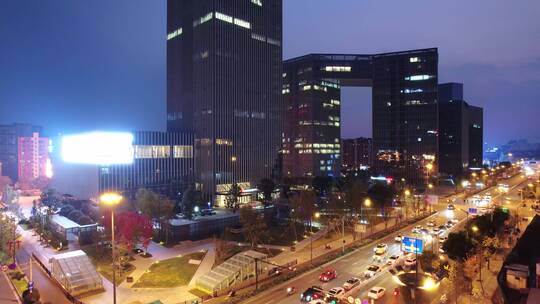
(98, 148)
(412, 245)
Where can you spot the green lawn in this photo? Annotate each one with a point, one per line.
(102, 260)
(168, 273)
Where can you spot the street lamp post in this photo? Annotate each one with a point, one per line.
(112, 199)
(316, 215)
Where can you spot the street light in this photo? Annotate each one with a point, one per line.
(112, 199)
(407, 192)
(316, 215)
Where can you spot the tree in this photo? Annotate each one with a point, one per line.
(428, 261)
(85, 220)
(133, 229)
(153, 205)
(7, 226)
(302, 207)
(458, 246)
(232, 197)
(190, 199)
(490, 245)
(75, 215)
(382, 196)
(31, 296)
(253, 227)
(50, 197)
(455, 278)
(321, 184)
(266, 186)
(66, 210)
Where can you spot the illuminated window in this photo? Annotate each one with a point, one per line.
(151, 151)
(419, 77)
(258, 37)
(242, 23)
(257, 2)
(203, 19)
(183, 151)
(410, 91)
(414, 59)
(337, 68)
(273, 41)
(223, 142)
(174, 34)
(285, 91)
(414, 102)
(335, 102)
(224, 17)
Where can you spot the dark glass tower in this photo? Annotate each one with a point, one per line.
(405, 115)
(223, 84)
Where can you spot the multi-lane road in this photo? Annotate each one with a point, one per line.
(355, 263)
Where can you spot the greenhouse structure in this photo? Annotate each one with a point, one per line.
(235, 270)
(75, 272)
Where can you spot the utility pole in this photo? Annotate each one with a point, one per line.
(256, 274)
(343, 234)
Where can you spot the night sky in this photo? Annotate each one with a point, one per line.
(79, 65)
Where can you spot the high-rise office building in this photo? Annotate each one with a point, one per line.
(405, 114)
(461, 132)
(356, 153)
(9, 145)
(33, 158)
(223, 84)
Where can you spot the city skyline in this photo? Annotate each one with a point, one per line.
(62, 75)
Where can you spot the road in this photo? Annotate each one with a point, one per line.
(49, 291)
(355, 263)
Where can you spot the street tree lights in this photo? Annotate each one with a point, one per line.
(112, 199)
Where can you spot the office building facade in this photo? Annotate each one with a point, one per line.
(9, 146)
(162, 162)
(405, 112)
(356, 154)
(223, 84)
(461, 134)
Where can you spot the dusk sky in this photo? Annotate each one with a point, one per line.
(81, 65)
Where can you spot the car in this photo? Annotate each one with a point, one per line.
(379, 257)
(410, 261)
(328, 275)
(431, 224)
(376, 292)
(442, 228)
(380, 248)
(208, 211)
(398, 238)
(424, 231)
(450, 207)
(371, 271)
(442, 239)
(435, 230)
(393, 259)
(311, 294)
(336, 292)
(449, 224)
(455, 221)
(351, 283)
(137, 250)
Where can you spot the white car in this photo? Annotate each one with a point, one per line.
(351, 283)
(441, 250)
(376, 292)
(393, 260)
(371, 271)
(336, 292)
(398, 238)
(443, 239)
(410, 261)
(417, 229)
(380, 248)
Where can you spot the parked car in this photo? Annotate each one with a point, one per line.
(137, 250)
(376, 292)
(371, 271)
(209, 211)
(398, 238)
(450, 207)
(328, 275)
(431, 224)
(312, 293)
(417, 229)
(449, 224)
(351, 283)
(442, 239)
